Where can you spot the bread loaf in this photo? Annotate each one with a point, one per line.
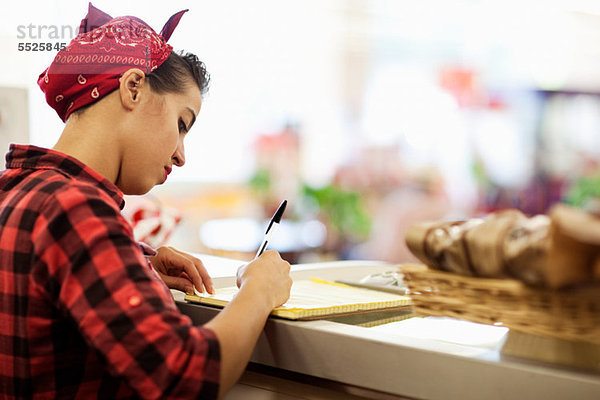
(574, 246)
(525, 248)
(441, 244)
(552, 251)
(485, 243)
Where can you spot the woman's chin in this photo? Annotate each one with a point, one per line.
(136, 190)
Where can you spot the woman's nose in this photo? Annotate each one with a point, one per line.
(179, 155)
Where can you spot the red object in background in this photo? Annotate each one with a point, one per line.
(286, 139)
(463, 85)
(152, 223)
(279, 155)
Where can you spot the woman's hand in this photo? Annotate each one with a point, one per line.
(181, 271)
(269, 276)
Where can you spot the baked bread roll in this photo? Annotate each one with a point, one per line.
(525, 248)
(441, 244)
(551, 251)
(416, 237)
(484, 243)
(574, 246)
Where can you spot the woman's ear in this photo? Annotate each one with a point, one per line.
(130, 88)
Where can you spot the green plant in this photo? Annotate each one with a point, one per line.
(583, 191)
(342, 208)
(261, 181)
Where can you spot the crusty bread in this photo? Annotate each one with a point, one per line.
(441, 244)
(574, 246)
(553, 251)
(525, 248)
(484, 242)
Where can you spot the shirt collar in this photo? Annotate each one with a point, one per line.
(33, 157)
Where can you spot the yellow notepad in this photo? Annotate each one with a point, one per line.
(313, 299)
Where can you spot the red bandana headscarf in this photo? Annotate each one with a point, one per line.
(89, 68)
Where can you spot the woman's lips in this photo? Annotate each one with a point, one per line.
(167, 172)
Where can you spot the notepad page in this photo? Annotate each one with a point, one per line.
(314, 297)
(310, 294)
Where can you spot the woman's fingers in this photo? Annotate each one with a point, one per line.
(194, 268)
(175, 266)
(178, 283)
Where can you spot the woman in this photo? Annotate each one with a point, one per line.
(84, 313)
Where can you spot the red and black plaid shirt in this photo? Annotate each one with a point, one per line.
(81, 313)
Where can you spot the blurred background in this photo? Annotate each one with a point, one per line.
(367, 116)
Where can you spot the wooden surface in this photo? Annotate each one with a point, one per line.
(565, 352)
(266, 383)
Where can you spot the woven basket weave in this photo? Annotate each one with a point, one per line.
(569, 314)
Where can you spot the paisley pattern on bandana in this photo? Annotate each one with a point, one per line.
(91, 65)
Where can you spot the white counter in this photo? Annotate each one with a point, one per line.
(410, 359)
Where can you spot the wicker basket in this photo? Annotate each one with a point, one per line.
(572, 314)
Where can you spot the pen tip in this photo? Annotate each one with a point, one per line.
(279, 212)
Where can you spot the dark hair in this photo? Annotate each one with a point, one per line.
(172, 74)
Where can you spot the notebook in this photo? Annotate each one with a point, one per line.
(318, 299)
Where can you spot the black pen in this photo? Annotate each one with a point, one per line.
(271, 227)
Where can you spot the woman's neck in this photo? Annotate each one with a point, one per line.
(90, 138)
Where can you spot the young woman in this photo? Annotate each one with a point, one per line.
(84, 314)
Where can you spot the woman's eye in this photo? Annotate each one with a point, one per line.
(182, 127)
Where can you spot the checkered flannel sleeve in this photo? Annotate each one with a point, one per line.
(97, 276)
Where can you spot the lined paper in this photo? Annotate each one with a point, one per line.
(311, 299)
